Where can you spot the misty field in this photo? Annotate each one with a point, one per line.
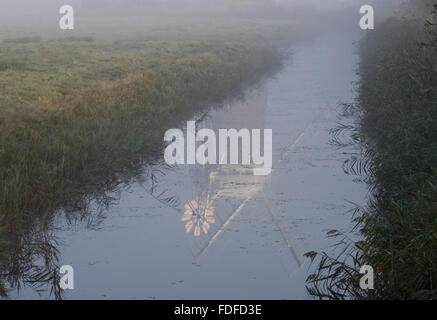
(75, 107)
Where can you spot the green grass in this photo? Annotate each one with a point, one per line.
(397, 109)
(399, 99)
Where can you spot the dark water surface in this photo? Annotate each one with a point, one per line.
(262, 225)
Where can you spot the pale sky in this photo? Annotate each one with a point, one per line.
(33, 6)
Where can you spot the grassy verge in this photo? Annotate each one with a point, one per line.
(397, 106)
(72, 111)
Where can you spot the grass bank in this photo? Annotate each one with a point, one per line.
(397, 116)
(71, 110)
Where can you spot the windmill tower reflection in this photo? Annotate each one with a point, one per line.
(220, 192)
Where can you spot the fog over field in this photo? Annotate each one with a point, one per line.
(22, 12)
(29, 7)
(32, 18)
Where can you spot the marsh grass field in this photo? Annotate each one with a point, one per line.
(83, 112)
(72, 106)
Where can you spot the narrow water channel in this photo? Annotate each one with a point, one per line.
(261, 227)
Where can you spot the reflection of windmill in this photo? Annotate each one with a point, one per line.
(232, 187)
(238, 183)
